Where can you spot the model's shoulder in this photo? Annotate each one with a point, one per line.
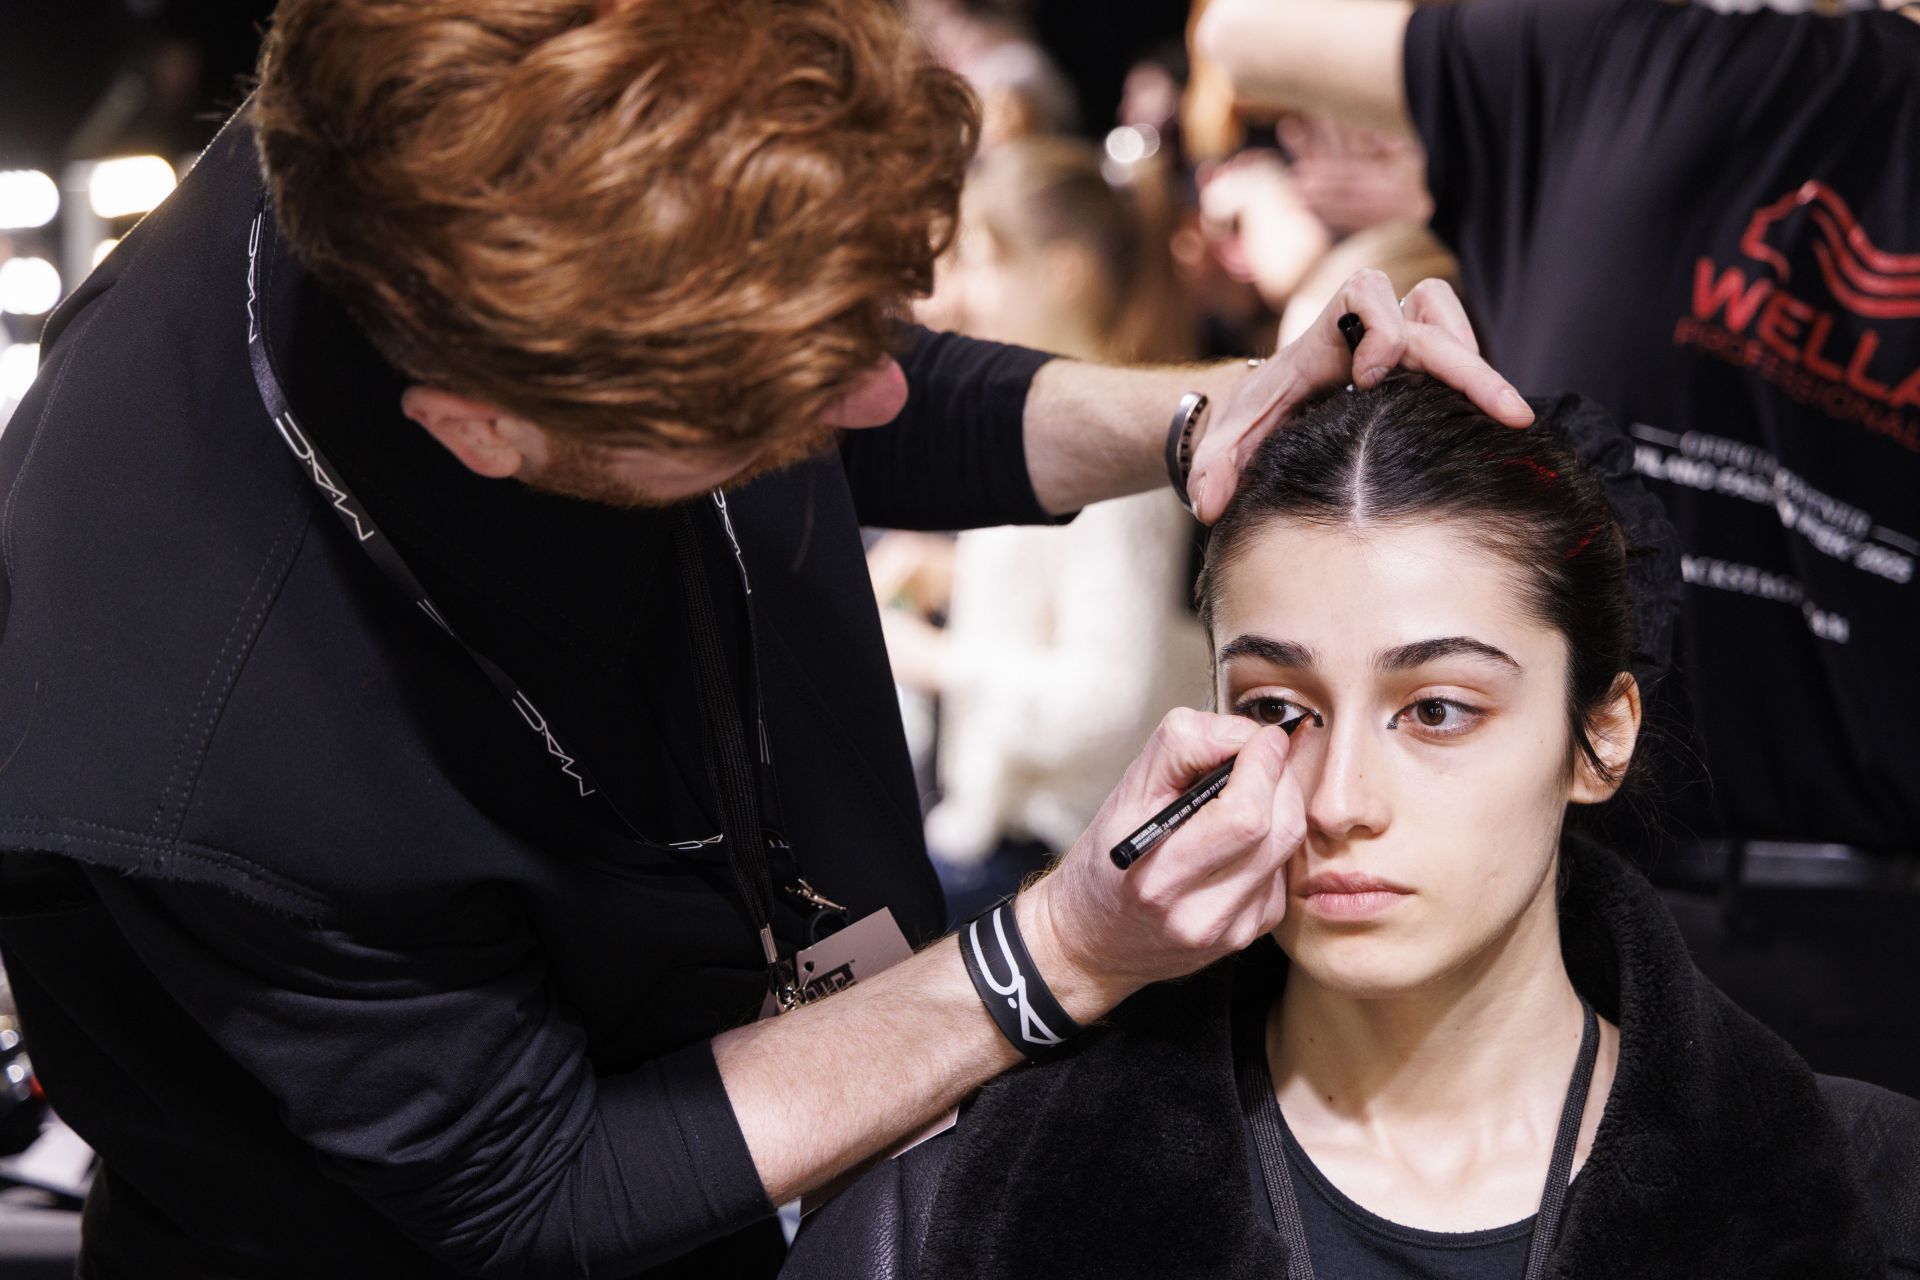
(1882, 1132)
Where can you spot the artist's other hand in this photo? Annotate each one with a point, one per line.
(1428, 333)
(1210, 889)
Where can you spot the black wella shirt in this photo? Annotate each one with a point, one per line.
(1710, 223)
(312, 942)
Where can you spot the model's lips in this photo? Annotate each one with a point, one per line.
(1349, 895)
(1346, 882)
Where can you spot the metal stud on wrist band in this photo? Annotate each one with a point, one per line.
(1180, 437)
(1010, 987)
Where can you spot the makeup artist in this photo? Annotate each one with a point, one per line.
(440, 688)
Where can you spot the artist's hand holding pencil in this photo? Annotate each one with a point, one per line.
(1206, 889)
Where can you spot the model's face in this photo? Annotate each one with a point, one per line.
(1437, 780)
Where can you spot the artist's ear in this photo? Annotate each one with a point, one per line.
(487, 441)
(1613, 729)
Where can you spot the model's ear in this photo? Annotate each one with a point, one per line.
(487, 442)
(1613, 729)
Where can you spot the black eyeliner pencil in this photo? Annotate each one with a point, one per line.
(1352, 328)
(1175, 815)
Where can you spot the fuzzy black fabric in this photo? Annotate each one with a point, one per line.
(1720, 1155)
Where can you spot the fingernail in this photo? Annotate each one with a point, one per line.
(1513, 402)
(1202, 494)
(1373, 376)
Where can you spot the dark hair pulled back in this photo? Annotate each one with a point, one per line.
(1412, 449)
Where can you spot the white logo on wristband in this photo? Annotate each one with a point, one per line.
(1016, 988)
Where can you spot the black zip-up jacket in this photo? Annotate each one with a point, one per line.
(311, 939)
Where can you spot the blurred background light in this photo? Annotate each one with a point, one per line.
(101, 250)
(1132, 143)
(127, 185)
(18, 364)
(28, 286)
(28, 199)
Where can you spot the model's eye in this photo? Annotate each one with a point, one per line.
(1438, 717)
(1270, 710)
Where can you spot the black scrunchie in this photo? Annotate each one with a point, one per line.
(1653, 545)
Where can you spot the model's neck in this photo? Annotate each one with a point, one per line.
(1473, 1048)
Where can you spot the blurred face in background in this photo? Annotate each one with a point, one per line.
(1061, 251)
(1032, 295)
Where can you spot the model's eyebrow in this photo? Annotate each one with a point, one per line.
(1280, 653)
(1421, 652)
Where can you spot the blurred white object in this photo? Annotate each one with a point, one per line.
(28, 286)
(59, 1161)
(101, 250)
(1065, 647)
(127, 185)
(28, 199)
(18, 365)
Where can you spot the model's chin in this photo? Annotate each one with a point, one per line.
(1370, 960)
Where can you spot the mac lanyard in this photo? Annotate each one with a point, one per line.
(1262, 1106)
(736, 772)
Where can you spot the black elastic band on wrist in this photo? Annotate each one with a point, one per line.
(1011, 988)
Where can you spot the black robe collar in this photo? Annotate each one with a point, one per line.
(1716, 1158)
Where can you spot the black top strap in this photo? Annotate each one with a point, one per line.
(1262, 1106)
(1553, 1199)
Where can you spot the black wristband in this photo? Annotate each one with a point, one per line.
(1009, 985)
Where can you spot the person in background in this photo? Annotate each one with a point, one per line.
(1023, 93)
(1354, 178)
(1063, 646)
(1290, 203)
(1710, 222)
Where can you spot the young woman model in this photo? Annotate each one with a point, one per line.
(1479, 1049)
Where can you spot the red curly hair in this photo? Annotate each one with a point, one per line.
(670, 223)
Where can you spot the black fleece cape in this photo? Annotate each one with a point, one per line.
(1721, 1156)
